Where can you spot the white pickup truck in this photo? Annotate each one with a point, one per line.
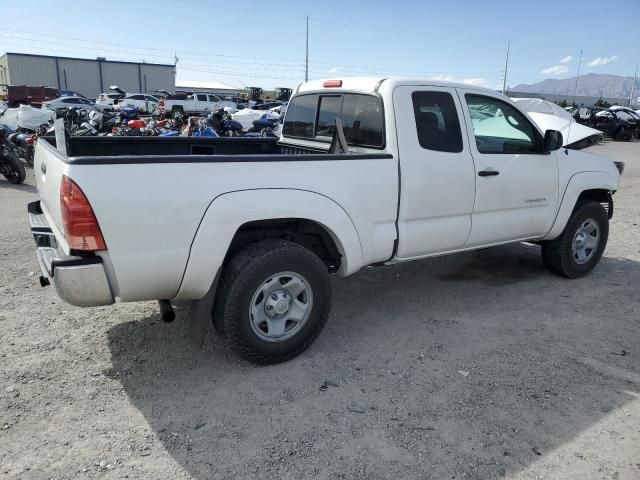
(192, 102)
(368, 171)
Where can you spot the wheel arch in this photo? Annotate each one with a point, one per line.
(233, 217)
(595, 186)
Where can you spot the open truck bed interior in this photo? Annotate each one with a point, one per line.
(121, 150)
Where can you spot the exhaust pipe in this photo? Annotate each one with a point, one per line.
(166, 311)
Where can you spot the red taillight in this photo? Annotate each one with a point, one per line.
(80, 224)
(30, 139)
(332, 83)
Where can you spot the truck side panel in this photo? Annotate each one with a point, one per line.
(149, 213)
(228, 212)
(578, 183)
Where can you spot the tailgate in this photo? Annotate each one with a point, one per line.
(48, 168)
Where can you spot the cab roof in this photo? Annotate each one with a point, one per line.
(372, 84)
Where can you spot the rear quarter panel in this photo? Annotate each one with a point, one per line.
(149, 213)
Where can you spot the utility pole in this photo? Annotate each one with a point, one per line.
(633, 86)
(506, 65)
(306, 63)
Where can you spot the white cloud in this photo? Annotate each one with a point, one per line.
(333, 70)
(476, 82)
(443, 78)
(600, 61)
(555, 70)
(566, 59)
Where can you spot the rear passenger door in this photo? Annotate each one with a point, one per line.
(436, 171)
(202, 103)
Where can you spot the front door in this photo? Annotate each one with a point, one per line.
(516, 181)
(437, 175)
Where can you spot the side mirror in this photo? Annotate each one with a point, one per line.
(552, 140)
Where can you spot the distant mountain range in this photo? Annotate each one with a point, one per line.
(589, 85)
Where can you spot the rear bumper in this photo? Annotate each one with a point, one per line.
(80, 281)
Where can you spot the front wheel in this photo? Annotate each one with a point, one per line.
(274, 299)
(13, 169)
(579, 248)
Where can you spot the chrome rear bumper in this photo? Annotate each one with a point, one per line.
(80, 281)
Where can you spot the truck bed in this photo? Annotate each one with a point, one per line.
(168, 208)
(124, 150)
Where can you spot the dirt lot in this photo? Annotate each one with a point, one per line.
(480, 366)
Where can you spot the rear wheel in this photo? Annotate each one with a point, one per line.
(579, 248)
(623, 135)
(13, 170)
(273, 301)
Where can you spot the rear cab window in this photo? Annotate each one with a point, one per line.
(437, 122)
(312, 117)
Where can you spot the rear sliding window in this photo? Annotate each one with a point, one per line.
(313, 117)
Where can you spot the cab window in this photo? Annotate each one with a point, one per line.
(437, 122)
(499, 128)
(301, 115)
(313, 116)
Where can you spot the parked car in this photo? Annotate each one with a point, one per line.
(143, 102)
(630, 115)
(73, 102)
(223, 103)
(188, 103)
(107, 98)
(612, 124)
(70, 93)
(24, 95)
(367, 171)
(267, 105)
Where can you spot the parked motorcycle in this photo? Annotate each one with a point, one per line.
(10, 165)
(24, 143)
(223, 124)
(266, 125)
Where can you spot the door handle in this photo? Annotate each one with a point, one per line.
(488, 173)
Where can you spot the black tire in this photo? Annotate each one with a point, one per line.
(623, 135)
(29, 155)
(557, 254)
(245, 274)
(15, 172)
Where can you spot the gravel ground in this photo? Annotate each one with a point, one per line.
(481, 365)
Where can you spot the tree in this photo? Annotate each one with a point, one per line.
(602, 103)
(563, 103)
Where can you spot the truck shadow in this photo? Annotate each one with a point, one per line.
(24, 187)
(430, 368)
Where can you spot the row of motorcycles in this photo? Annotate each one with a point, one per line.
(127, 122)
(14, 146)
(17, 147)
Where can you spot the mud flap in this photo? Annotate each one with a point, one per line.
(199, 318)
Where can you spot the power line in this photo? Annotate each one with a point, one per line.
(129, 47)
(236, 74)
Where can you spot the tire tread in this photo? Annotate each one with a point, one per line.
(232, 281)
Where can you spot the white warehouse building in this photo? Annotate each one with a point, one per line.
(88, 77)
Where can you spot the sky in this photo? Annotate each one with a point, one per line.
(257, 43)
